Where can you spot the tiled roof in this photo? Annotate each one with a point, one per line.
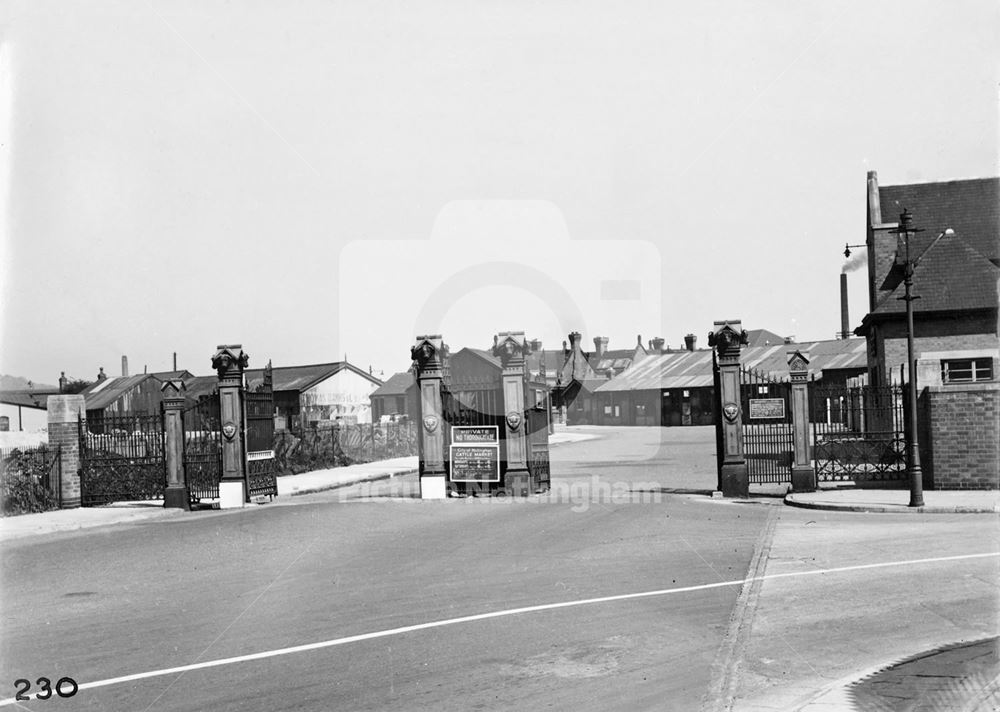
(763, 337)
(969, 207)
(950, 275)
(397, 385)
(27, 399)
(693, 369)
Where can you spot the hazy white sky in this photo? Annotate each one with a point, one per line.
(315, 178)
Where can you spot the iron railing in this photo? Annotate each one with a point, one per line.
(122, 458)
(858, 433)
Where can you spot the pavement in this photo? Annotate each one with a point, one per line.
(959, 675)
(898, 500)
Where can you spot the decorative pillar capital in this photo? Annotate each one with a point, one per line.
(798, 366)
(429, 354)
(728, 338)
(229, 362)
(511, 348)
(173, 393)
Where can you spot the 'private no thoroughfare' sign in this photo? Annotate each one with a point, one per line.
(475, 453)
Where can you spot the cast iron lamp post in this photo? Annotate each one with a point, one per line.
(904, 230)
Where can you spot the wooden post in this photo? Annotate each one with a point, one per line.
(176, 493)
(728, 338)
(229, 362)
(803, 474)
(510, 347)
(429, 354)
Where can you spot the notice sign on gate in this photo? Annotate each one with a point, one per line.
(767, 408)
(475, 453)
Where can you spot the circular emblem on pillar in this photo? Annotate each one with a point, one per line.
(430, 423)
(229, 430)
(514, 420)
(731, 410)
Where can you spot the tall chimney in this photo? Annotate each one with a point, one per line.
(62, 382)
(600, 345)
(175, 360)
(124, 366)
(689, 342)
(845, 318)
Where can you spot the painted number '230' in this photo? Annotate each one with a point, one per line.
(66, 687)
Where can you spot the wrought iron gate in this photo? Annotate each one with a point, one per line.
(203, 448)
(537, 423)
(858, 433)
(122, 459)
(258, 412)
(473, 402)
(768, 436)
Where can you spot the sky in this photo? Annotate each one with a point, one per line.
(313, 179)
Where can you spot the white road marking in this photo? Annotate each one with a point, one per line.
(496, 614)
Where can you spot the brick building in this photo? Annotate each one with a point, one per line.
(956, 329)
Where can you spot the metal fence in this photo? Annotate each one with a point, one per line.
(29, 479)
(122, 458)
(858, 433)
(324, 447)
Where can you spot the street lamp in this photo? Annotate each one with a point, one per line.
(904, 230)
(847, 249)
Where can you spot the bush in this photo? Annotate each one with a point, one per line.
(23, 474)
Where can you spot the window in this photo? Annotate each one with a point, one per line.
(967, 370)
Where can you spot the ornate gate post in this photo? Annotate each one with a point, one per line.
(803, 474)
(229, 362)
(510, 347)
(728, 338)
(176, 494)
(429, 354)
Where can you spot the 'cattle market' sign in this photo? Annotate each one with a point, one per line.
(475, 453)
(767, 408)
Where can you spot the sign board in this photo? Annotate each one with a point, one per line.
(475, 453)
(767, 408)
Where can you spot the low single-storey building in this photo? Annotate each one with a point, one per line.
(677, 388)
(304, 395)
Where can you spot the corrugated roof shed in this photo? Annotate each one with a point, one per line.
(302, 378)
(100, 395)
(693, 369)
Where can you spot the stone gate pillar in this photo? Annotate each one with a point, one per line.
(229, 362)
(803, 474)
(728, 338)
(429, 355)
(510, 347)
(176, 493)
(64, 431)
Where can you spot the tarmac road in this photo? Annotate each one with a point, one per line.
(362, 561)
(99, 604)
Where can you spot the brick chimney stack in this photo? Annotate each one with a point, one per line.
(690, 342)
(656, 344)
(600, 345)
(574, 340)
(101, 375)
(124, 366)
(536, 345)
(62, 382)
(845, 318)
